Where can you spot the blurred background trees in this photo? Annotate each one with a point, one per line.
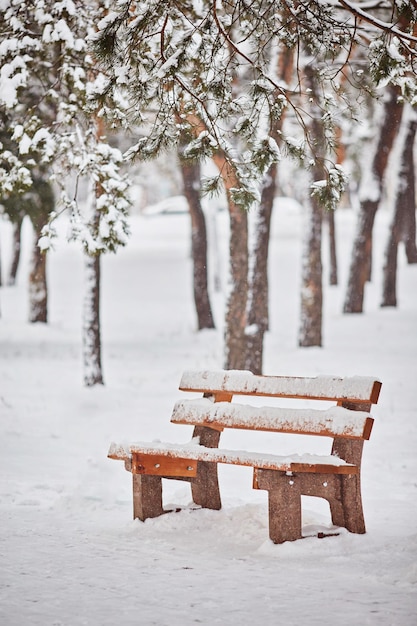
(269, 93)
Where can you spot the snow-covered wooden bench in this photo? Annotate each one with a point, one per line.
(335, 477)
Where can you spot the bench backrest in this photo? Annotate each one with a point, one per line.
(236, 382)
(348, 420)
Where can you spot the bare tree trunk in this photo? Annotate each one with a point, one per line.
(237, 287)
(191, 181)
(370, 196)
(93, 374)
(408, 235)
(333, 277)
(258, 313)
(40, 202)
(38, 290)
(258, 305)
(404, 205)
(17, 240)
(235, 326)
(310, 332)
(91, 331)
(331, 215)
(389, 289)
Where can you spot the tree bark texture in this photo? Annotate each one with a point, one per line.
(370, 195)
(17, 240)
(235, 320)
(258, 305)
(38, 289)
(310, 332)
(191, 181)
(258, 313)
(404, 206)
(333, 275)
(93, 374)
(40, 201)
(408, 235)
(237, 288)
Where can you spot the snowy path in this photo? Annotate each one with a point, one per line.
(70, 553)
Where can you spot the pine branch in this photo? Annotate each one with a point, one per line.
(387, 27)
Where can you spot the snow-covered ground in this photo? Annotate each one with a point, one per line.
(71, 554)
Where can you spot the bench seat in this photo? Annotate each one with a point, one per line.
(150, 458)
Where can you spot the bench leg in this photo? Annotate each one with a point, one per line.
(205, 487)
(284, 502)
(343, 494)
(351, 451)
(147, 496)
(329, 487)
(352, 504)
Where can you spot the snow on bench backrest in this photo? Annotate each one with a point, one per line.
(239, 382)
(332, 422)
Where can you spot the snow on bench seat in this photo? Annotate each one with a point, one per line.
(335, 477)
(354, 389)
(195, 452)
(331, 422)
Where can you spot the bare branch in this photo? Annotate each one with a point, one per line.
(388, 27)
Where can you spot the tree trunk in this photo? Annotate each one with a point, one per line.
(38, 290)
(235, 319)
(389, 288)
(403, 207)
(310, 332)
(370, 195)
(191, 180)
(258, 314)
(41, 201)
(331, 215)
(237, 287)
(408, 235)
(17, 240)
(91, 322)
(258, 306)
(333, 280)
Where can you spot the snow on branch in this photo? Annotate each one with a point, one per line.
(50, 89)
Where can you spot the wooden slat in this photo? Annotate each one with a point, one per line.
(353, 389)
(332, 422)
(163, 465)
(179, 455)
(119, 452)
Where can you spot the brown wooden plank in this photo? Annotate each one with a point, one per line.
(219, 396)
(354, 389)
(318, 468)
(376, 390)
(163, 465)
(368, 428)
(172, 461)
(118, 452)
(334, 421)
